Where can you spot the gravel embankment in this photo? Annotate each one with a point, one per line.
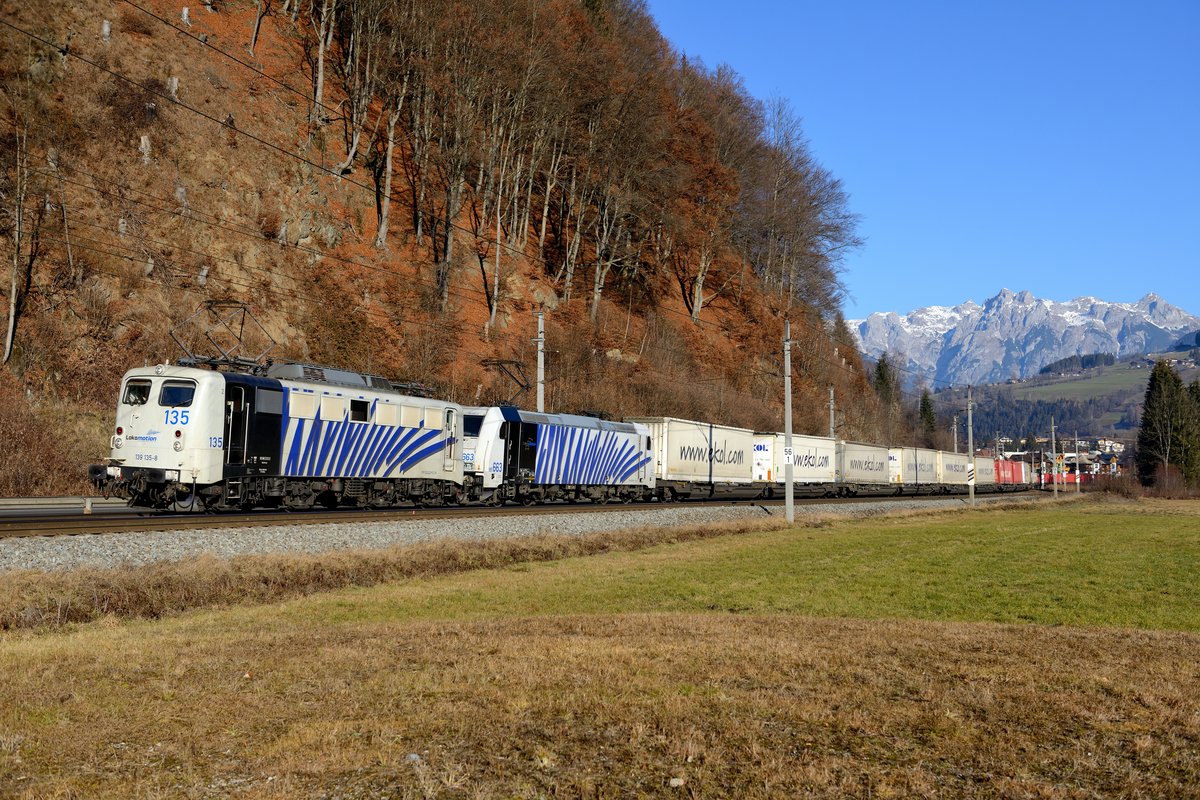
(110, 550)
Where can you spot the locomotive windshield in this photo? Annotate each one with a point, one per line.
(176, 393)
(471, 424)
(137, 392)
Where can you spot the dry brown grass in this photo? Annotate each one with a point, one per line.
(480, 685)
(35, 455)
(37, 599)
(256, 704)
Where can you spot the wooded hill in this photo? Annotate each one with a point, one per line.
(394, 187)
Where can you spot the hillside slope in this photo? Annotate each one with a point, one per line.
(152, 163)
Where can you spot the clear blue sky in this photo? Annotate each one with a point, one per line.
(1048, 146)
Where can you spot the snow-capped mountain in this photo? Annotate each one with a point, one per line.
(1014, 334)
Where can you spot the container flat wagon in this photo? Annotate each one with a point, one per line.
(913, 470)
(862, 468)
(814, 465)
(985, 475)
(952, 471)
(700, 459)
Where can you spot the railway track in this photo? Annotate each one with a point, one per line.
(42, 523)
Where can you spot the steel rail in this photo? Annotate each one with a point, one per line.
(51, 525)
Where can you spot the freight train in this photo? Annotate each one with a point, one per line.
(191, 437)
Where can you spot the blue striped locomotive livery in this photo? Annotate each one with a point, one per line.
(370, 441)
(533, 457)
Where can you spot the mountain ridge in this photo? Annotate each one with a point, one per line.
(1014, 334)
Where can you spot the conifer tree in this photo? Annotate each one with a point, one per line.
(1169, 437)
(887, 389)
(928, 420)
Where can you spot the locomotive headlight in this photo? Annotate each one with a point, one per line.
(178, 445)
(117, 441)
(160, 369)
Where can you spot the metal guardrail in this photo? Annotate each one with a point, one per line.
(59, 502)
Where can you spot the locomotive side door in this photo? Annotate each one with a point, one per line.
(236, 418)
(448, 430)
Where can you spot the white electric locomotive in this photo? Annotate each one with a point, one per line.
(531, 457)
(294, 436)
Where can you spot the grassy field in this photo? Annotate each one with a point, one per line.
(876, 658)
(1116, 378)
(1112, 379)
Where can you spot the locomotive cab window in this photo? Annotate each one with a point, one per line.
(137, 392)
(360, 411)
(471, 424)
(176, 394)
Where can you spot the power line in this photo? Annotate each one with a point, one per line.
(254, 234)
(232, 57)
(322, 168)
(329, 171)
(191, 215)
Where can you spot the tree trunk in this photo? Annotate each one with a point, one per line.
(18, 236)
(386, 205)
(261, 9)
(496, 273)
(706, 259)
(324, 33)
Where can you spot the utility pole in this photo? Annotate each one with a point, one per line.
(955, 431)
(1053, 459)
(789, 503)
(832, 427)
(970, 448)
(541, 364)
(1079, 474)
